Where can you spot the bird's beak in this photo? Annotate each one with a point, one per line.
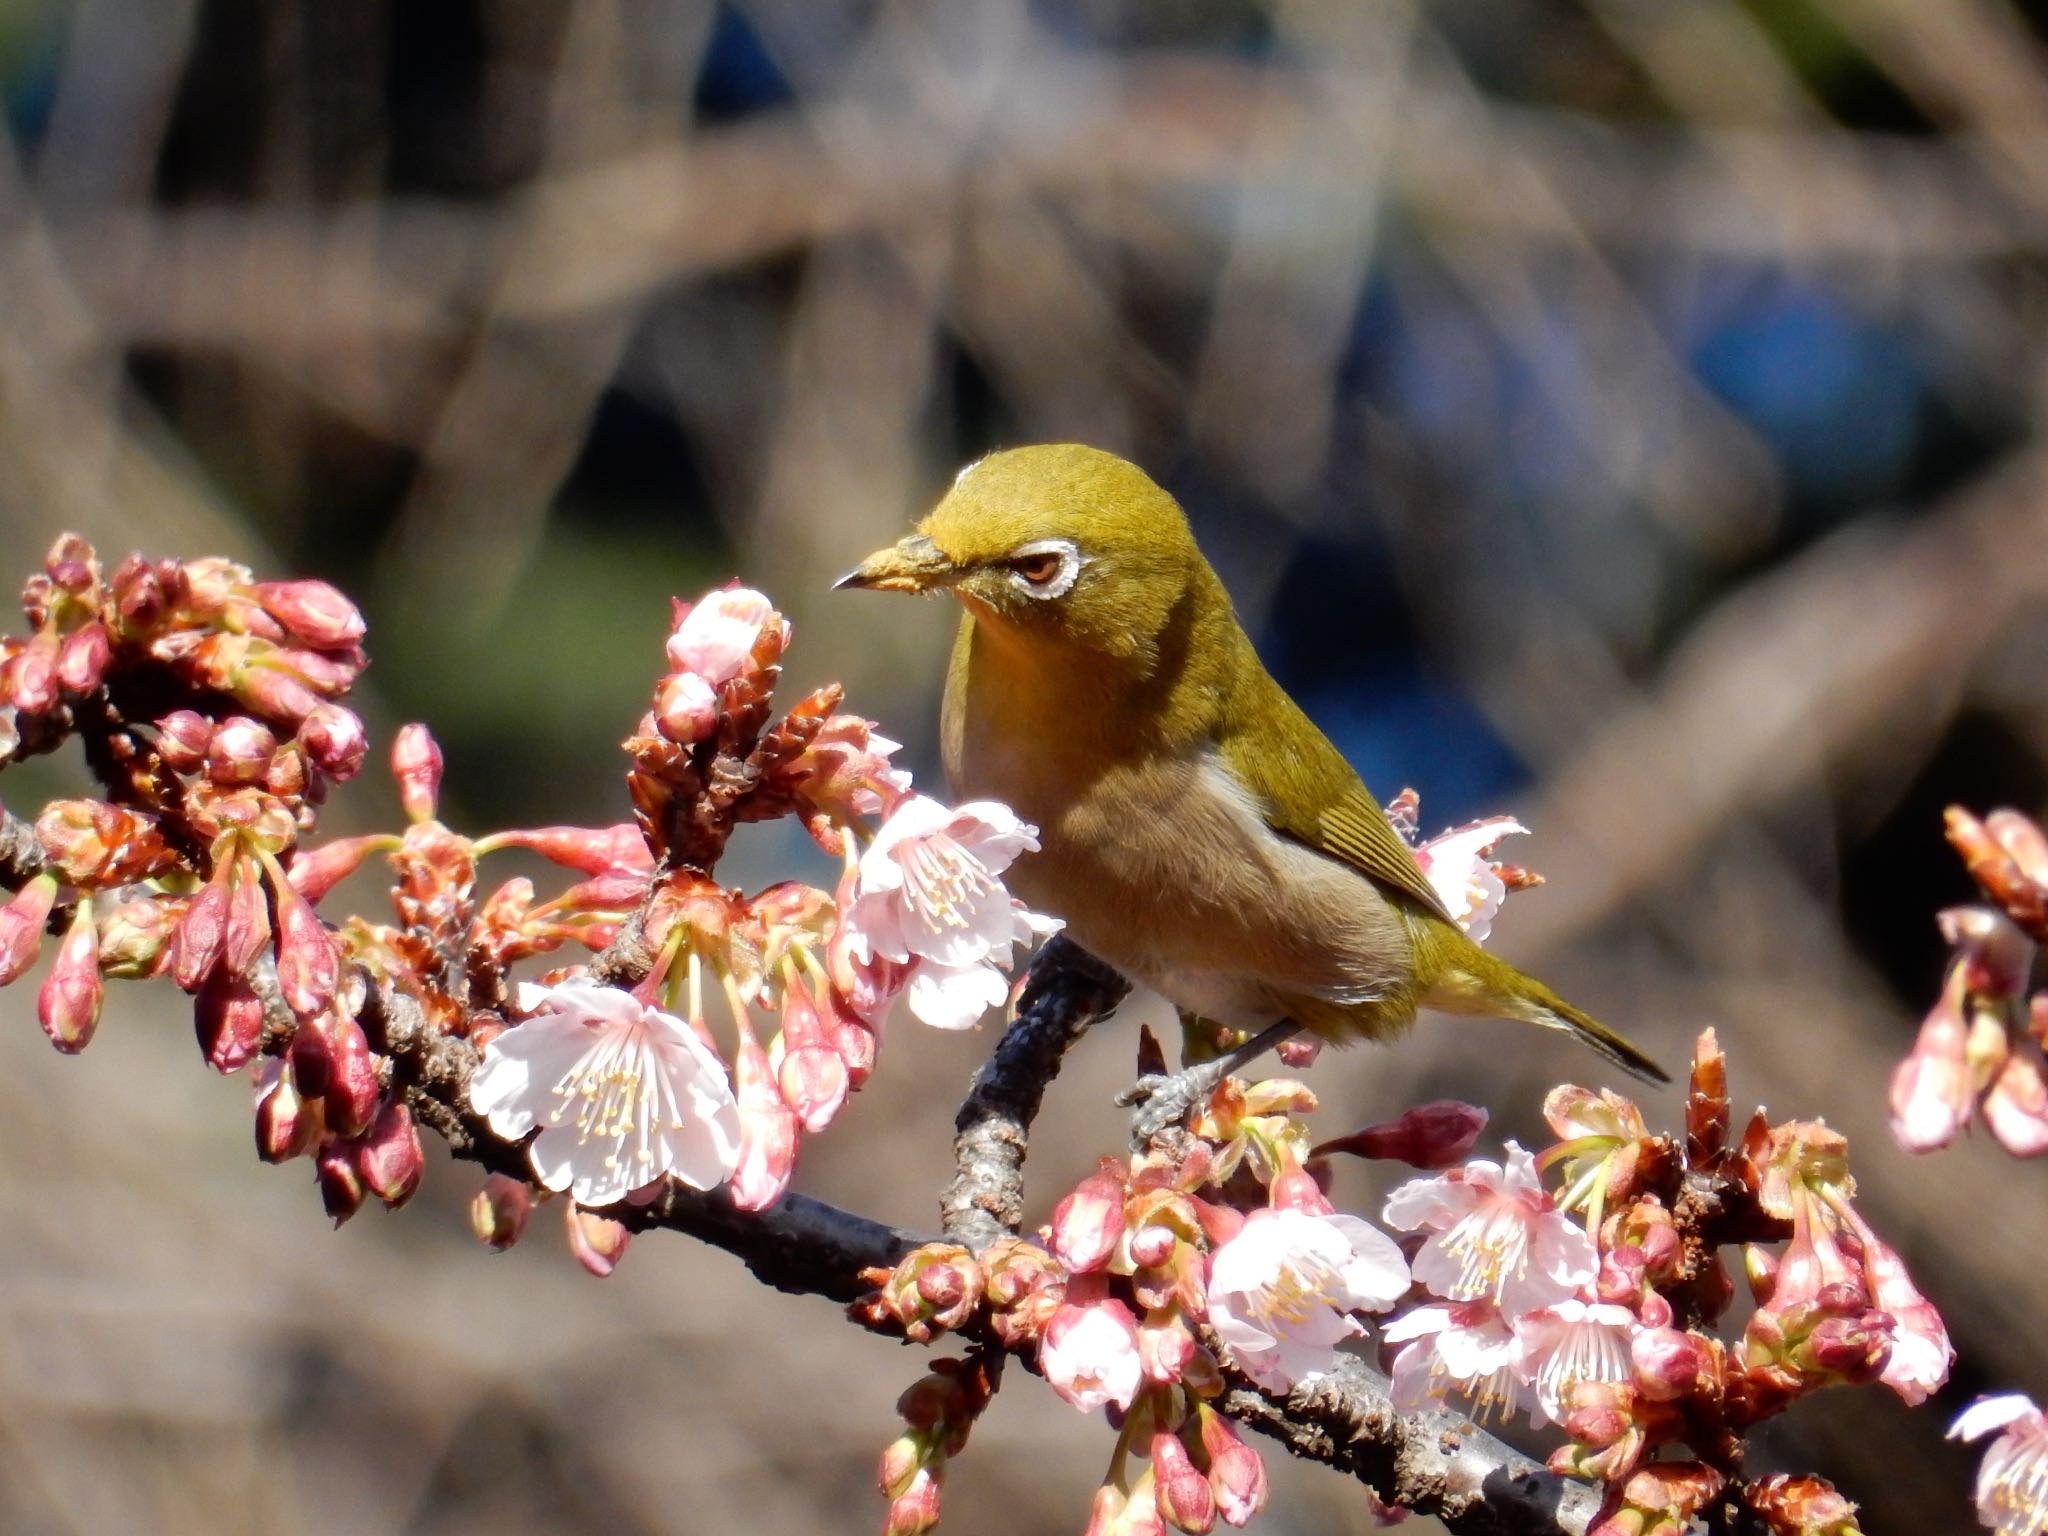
(914, 564)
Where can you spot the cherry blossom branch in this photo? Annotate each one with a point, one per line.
(1433, 1463)
(1067, 990)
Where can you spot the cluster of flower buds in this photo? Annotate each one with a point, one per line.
(674, 1079)
(938, 1410)
(1592, 1307)
(1609, 1330)
(207, 702)
(1982, 1045)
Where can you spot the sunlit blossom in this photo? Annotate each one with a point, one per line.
(622, 1092)
(1496, 1235)
(716, 637)
(1090, 1354)
(1459, 866)
(929, 892)
(1282, 1291)
(2012, 1482)
(1464, 1347)
(1575, 1341)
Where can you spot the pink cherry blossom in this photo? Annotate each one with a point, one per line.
(1459, 866)
(2012, 1483)
(623, 1093)
(1461, 1346)
(1575, 1341)
(1282, 1291)
(1090, 1354)
(928, 892)
(1496, 1235)
(716, 637)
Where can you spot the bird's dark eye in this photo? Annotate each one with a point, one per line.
(1039, 569)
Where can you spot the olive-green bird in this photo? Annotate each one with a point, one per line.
(1197, 831)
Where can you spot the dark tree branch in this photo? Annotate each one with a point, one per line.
(1068, 990)
(1433, 1463)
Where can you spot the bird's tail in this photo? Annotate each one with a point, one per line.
(1489, 985)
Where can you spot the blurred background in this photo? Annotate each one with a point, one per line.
(1627, 413)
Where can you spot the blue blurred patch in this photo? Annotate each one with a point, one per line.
(1400, 729)
(739, 76)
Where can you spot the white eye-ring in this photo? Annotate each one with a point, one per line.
(1045, 568)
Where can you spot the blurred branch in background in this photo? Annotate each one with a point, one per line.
(1627, 413)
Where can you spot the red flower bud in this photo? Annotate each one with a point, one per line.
(83, 657)
(308, 961)
(341, 1186)
(416, 764)
(597, 1241)
(916, 1509)
(69, 1002)
(1087, 1223)
(182, 739)
(248, 926)
(240, 751)
(352, 1086)
(315, 613)
(285, 1122)
(317, 871)
(1186, 1501)
(334, 738)
(498, 1213)
(389, 1158)
(28, 679)
(21, 926)
(196, 946)
(1236, 1474)
(229, 1018)
(1439, 1134)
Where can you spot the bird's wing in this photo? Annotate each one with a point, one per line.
(1314, 796)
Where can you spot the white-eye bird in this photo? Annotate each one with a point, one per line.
(1198, 832)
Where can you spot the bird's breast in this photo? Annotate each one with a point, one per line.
(1164, 868)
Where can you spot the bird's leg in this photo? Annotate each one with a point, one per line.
(1164, 1099)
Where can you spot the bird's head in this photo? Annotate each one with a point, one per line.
(1057, 542)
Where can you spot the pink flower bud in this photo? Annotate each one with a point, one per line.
(1439, 1134)
(811, 1075)
(312, 1058)
(1299, 1053)
(1152, 1245)
(685, 708)
(317, 871)
(83, 657)
(1186, 1501)
(71, 564)
(308, 962)
(498, 1213)
(1236, 1474)
(69, 1002)
(182, 739)
(285, 1123)
(334, 738)
(240, 751)
(902, 1459)
(248, 926)
(1087, 1224)
(341, 1185)
(315, 613)
(352, 1086)
(139, 597)
(1295, 1188)
(389, 1158)
(597, 1241)
(590, 850)
(1165, 1346)
(21, 926)
(29, 678)
(916, 1509)
(416, 764)
(202, 932)
(1668, 1362)
(229, 1018)
(2016, 1109)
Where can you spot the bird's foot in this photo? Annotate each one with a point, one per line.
(1163, 1100)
